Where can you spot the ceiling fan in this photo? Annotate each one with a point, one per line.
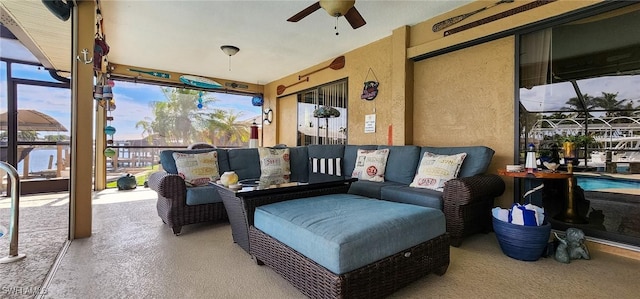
(335, 8)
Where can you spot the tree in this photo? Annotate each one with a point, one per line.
(224, 126)
(574, 104)
(614, 106)
(177, 117)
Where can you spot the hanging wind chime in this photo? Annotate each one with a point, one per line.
(109, 130)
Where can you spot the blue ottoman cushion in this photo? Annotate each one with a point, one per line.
(344, 232)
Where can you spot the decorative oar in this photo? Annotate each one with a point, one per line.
(281, 88)
(453, 20)
(336, 64)
(155, 74)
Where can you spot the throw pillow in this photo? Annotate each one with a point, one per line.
(370, 165)
(435, 170)
(197, 169)
(274, 165)
(325, 169)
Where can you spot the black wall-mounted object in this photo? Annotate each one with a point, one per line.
(59, 8)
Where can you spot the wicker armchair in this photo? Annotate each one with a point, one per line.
(467, 205)
(172, 207)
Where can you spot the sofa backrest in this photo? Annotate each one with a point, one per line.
(169, 163)
(245, 162)
(402, 163)
(476, 162)
(299, 162)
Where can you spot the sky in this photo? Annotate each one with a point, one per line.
(554, 96)
(132, 99)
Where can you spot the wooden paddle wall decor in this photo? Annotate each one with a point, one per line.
(498, 16)
(336, 64)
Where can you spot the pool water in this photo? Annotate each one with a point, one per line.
(591, 184)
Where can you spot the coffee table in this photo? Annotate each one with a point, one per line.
(241, 203)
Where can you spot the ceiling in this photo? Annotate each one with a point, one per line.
(185, 36)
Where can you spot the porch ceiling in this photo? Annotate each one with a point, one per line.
(185, 36)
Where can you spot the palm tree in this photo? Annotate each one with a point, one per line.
(613, 106)
(224, 126)
(574, 104)
(177, 117)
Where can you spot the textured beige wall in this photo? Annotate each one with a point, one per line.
(466, 98)
(376, 56)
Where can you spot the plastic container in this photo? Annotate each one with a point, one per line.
(525, 243)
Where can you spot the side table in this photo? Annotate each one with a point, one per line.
(570, 214)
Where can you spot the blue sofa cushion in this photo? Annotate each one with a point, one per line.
(169, 163)
(344, 232)
(299, 167)
(202, 195)
(401, 163)
(415, 196)
(245, 162)
(350, 155)
(477, 160)
(325, 169)
(369, 189)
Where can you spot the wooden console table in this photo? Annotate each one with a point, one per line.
(570, 214)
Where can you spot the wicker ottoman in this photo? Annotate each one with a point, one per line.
(349, 246)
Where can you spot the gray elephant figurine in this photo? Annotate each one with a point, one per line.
(572, 247)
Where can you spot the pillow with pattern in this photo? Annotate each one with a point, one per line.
(435, 170)
(274, 165)
(197, 169)
(370, 165)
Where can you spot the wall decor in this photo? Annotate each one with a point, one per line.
(152, 73)
(336, 64)
(370, 90)
(453, 20)
(268, 116)
(281, 88)
(498, 16)
(199, 81)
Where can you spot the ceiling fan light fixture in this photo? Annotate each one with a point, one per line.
(337, 8)
(230, 50)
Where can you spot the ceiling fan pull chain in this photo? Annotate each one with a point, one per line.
(336, 27)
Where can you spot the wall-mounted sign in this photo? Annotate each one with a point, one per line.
(370, 123)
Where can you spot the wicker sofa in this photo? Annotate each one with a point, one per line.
(466, 201)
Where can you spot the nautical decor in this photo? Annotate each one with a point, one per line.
(109, 130)
(257, 100)
(200, 100)
(199, 81)
(370, 90)
(109, 152)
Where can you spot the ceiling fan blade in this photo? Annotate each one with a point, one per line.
(305, 12)
(354, 18)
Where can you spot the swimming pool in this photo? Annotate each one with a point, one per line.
(599, 183)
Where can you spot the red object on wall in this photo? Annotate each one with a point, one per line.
(390, 135)
(254, 131)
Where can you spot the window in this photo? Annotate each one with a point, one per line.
(580, 84)
(331, 129)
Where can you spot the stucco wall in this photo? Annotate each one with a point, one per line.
(466, 97)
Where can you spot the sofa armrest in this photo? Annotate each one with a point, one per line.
(467, 204)
(462, 191)
(168, 185)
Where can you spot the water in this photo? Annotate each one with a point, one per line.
(39, 160)
(591, 184)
